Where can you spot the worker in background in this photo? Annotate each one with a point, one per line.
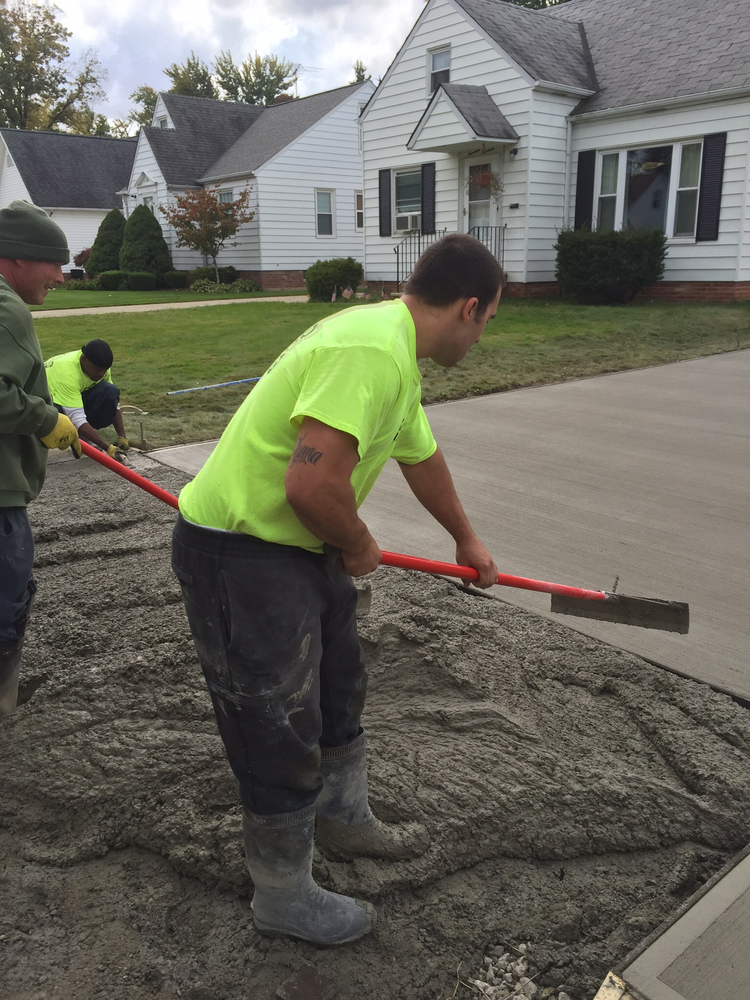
(82, 389)
(265, 548)
(32, 250)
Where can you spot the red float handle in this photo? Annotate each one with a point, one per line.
(389, 558)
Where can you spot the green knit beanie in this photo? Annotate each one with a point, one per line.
(28, 233)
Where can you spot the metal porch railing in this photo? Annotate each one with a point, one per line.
(410, 249)
(493, 238)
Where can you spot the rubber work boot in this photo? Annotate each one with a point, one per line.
(347, 827)
(10, 669)
(287, 901)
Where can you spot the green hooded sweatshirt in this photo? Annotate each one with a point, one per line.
(26, 410)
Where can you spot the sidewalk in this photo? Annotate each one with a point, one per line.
(156, 306)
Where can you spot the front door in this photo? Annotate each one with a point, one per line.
(479, 195)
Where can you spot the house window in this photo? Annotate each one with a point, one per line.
(440, 68)
(359, 211)
(606, 215)
(148, 201)
(225, 197)
(408, 200)
(686, 203)
(654, 187)
(161, 122)
(324, 201)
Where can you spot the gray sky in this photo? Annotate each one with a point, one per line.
(136, 39)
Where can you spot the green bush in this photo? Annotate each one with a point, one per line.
(244, 285)
(105, 252)
(604, 267)
(175, 279)
(78, 285)
(226, 275)
(203, 285)
(143, 245)
(140, 281)
(326, 275)
(113, 281)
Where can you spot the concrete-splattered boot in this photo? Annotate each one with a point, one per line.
(10, 669)
(346, 826)
(287, 900)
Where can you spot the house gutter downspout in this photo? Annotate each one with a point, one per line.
(528, 190)
(568, 171)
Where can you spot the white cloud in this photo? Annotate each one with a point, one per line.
(136, 39)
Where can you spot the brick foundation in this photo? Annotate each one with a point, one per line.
(696, 291)
(270, 280)
(531, 290)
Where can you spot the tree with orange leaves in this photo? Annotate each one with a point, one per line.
(204, 223)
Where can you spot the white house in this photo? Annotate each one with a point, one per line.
(75, 178)
(299, 159)
(516, 123)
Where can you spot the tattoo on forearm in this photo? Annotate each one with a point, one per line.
(304, 453)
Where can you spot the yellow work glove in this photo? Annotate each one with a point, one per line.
(117, 453)
(123, 444)
(63, 435)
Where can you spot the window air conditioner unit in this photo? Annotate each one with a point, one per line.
(408, 223)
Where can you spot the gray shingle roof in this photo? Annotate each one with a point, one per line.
(203, 131)
(651, 50)
(276, 128)
(480, 111)
(71, 171)
(550, 50)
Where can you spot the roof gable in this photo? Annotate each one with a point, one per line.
(61, 170)
(550, 51)
(651, 50)
(474, 115)
(275, 129)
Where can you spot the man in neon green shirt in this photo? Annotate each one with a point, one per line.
(81, 386)
(266, 544)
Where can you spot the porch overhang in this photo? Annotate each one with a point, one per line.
(458, 118)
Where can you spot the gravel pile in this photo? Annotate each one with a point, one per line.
(513, 973)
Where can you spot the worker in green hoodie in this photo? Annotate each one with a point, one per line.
(32, 250)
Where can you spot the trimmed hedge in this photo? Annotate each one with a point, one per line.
(79, 285)
(105, 250)
(112, 281)
(599, 267)
(326, 275)
(140, 281)
(175, 279)
(143, 245)
(227, 275)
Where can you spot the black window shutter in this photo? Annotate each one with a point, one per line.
(428, 197)
(384, 206)
(712, 178)
(585, 189)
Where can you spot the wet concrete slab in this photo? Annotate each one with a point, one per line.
(640, 475)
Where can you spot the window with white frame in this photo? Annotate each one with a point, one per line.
(652, 187)
(225, 197)
(148, 201)
(407, 199)
(161, 123)
(440, 67)
(324, 206)
(359, 211)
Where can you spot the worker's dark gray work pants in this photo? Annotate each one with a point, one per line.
(17, 585)
(275, 631)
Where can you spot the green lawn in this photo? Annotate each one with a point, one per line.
(60, 299)
(529, 343)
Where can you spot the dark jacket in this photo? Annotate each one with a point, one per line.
(26, 410)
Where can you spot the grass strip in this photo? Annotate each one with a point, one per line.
(531, 342)
(60, 299)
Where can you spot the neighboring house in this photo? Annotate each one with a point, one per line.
(75, 178)
(299, 159)
(602, 113)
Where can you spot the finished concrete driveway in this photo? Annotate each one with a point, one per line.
(643, 475)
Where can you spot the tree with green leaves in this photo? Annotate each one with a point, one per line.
(360, 72)
(105, 251)
(191, 78)
(39, 89)
(204, 223)
(258, 80)
(143, 245)
(145, 96)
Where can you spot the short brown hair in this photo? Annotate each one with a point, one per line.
(456, 267)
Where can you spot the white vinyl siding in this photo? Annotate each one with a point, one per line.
(394, 114)
(725, 259)
(11, 182)
(80, 226)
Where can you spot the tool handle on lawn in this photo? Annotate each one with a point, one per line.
(389, 558)
(503, 579)
(126, 473)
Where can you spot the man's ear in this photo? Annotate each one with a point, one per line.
(469, 310)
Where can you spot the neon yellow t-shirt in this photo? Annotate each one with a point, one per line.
(355, 371)
(67, 380)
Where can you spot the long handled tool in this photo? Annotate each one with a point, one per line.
(645, 612)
